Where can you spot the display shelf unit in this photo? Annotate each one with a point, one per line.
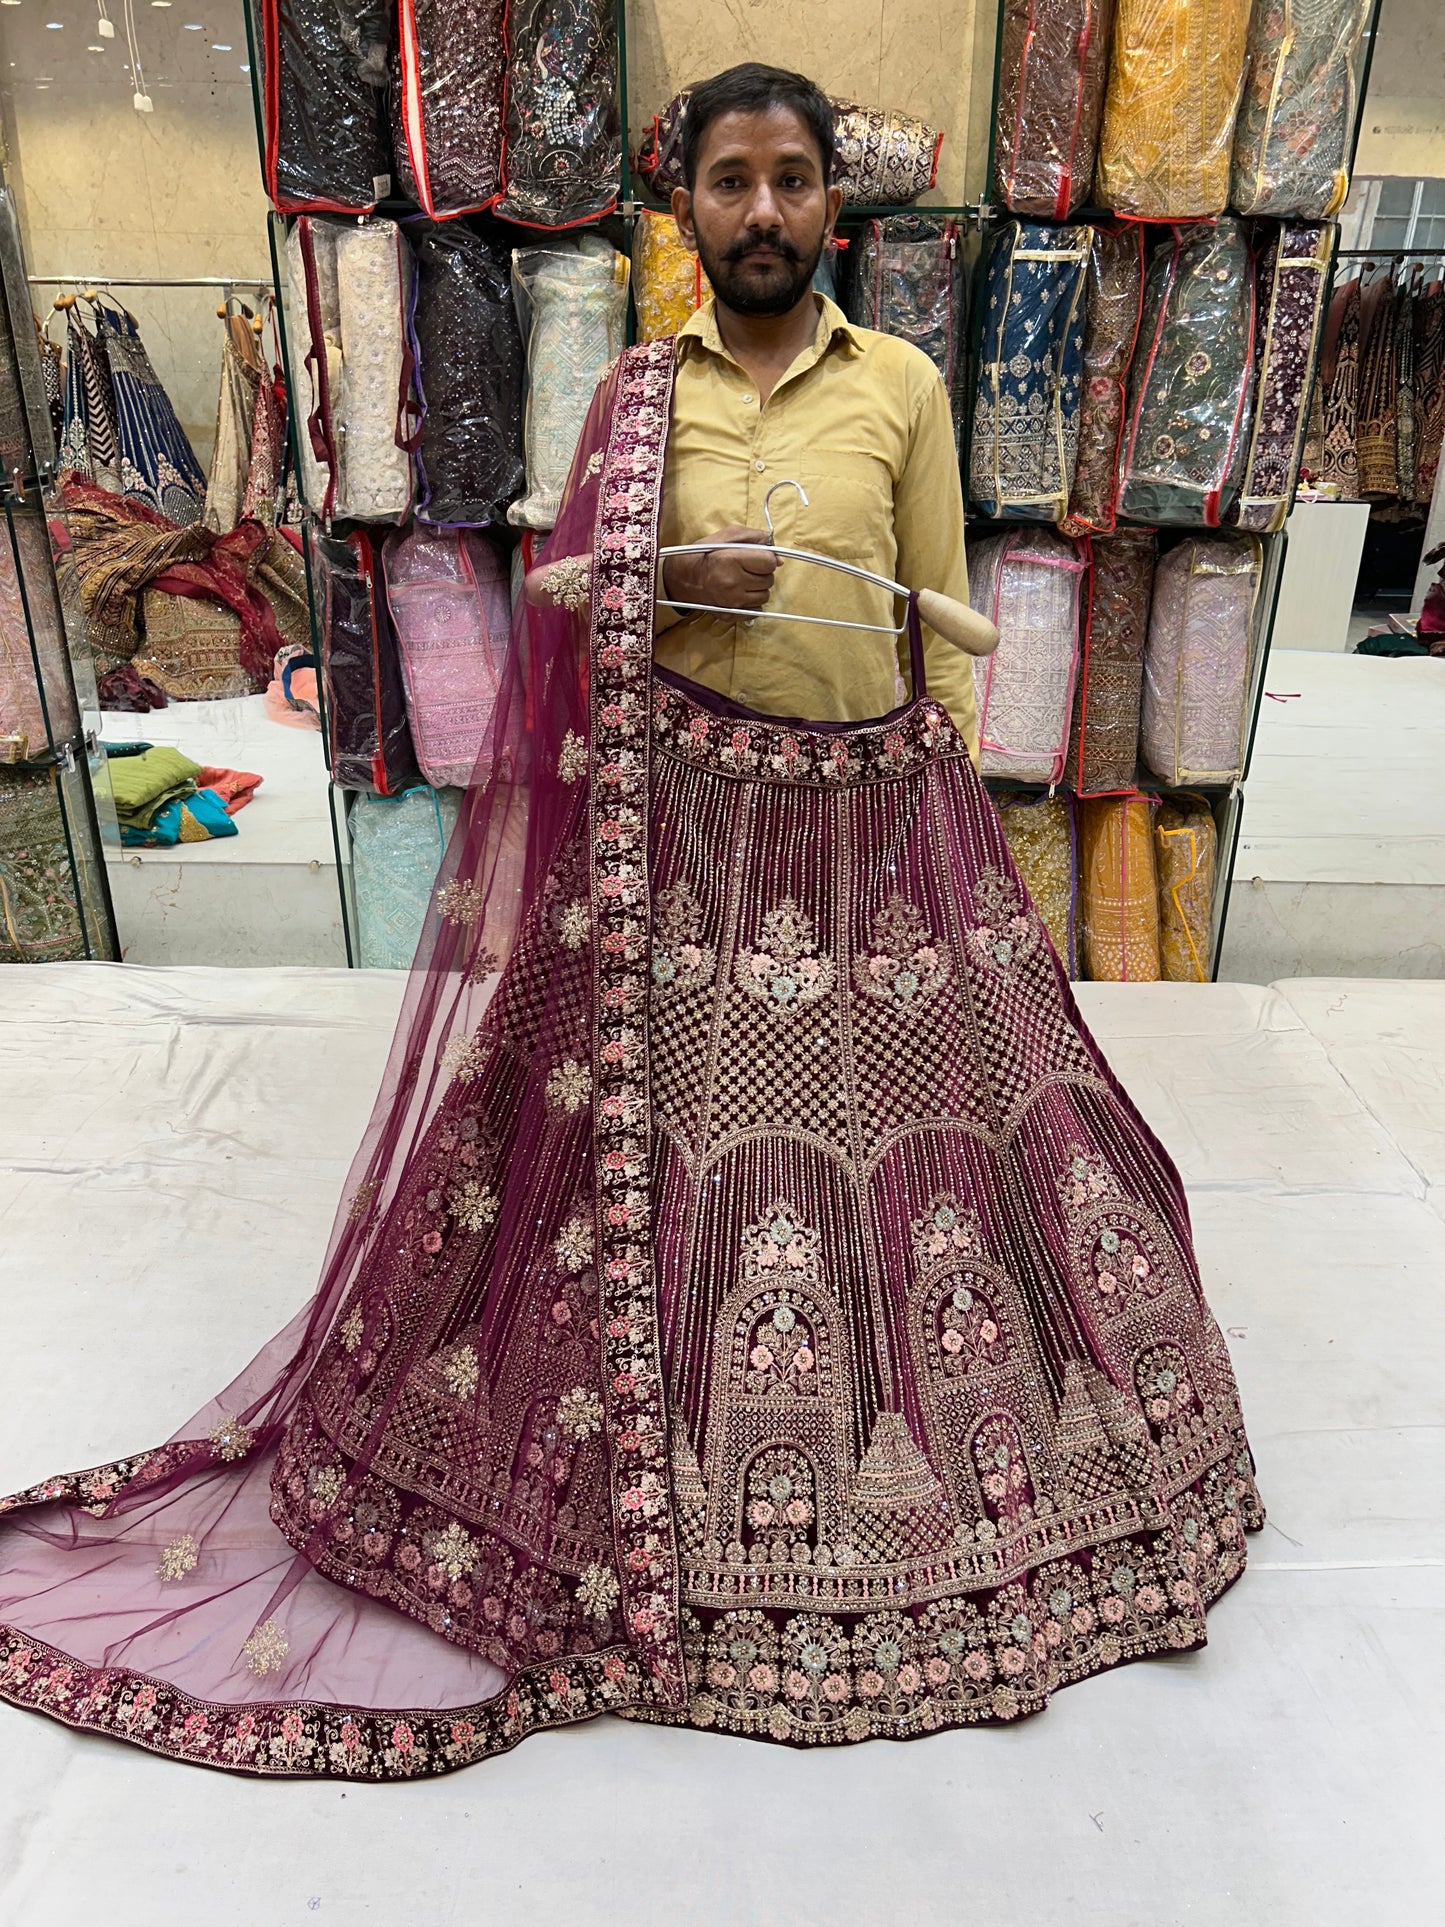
(54, 779)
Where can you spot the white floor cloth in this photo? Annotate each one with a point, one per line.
(171, 1149)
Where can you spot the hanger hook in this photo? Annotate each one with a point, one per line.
(767, 504)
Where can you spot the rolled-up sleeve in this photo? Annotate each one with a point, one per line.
(928, 528)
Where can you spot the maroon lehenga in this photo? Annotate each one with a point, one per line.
(757, 1305)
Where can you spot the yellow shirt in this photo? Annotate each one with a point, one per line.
(862, 421)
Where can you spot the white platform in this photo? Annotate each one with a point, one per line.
(169, 1162)
(1341, 864)
(268, 894)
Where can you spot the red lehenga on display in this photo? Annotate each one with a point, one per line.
(757, 1306)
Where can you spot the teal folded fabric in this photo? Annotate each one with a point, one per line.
(189, 819)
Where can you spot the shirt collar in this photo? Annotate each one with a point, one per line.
(833, 326)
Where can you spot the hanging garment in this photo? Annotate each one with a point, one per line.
(1290, 303)
(242, 378)
(158, 466)
(39, 916)
(89, 441)
(1174, 85)
(451, 609)
(1404, 395)
(350, 288)
(368, 736)
(191, 649)
(471, 374)
(1042, 837)
(1026, 416)
(1297, 118)
(261, 501)
(668, 283)
(563, 151)
(447, 105)
(906, 279)
(52, 375)
(1104, 739)
(1185, 840)
(1338, 385)
(1053, 62)
(1375, 435)
(1429, 387)
(1192, 382)
(23, 726)
(757, 1305)
(1113, 306)
(325, 68)
(572, 300)
(397, 846)
(880, 158)
(1196, 668)
(1028, 583)
(1120, 890)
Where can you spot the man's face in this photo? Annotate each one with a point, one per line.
(759, 213)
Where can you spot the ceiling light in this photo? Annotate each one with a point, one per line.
(244, 68)
(220, 46)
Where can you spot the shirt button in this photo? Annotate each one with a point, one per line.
(747, 397)
(760, 466)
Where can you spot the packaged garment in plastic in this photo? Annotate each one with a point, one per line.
(1104, 741)
(906, 280)
(1028, 583)
(325, 74)
(1297, 117)
(1292, 280)
(881, 159)
(368, 734)
(668, 284)
(1119, 890)
(1113, 305)
(451, 608)
(1196, 666)
(1185, 840)
(1174, 84)
(349, 288)
(562, 160)
(41, 920)
(447, 105)
(1053, 64)
(471, 374)
(572, 304)
(1042, 837)
(397, 846)
(1026, 416)
(1193, 379)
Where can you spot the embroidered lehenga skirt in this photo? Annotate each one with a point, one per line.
(783, 1322)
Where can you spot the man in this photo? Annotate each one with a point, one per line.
(773, 384)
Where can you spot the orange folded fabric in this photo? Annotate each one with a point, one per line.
(235, 787)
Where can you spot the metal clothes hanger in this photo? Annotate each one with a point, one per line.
(955, 621)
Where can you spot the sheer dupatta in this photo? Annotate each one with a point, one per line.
(435, 1512)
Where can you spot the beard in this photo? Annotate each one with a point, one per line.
(739, 286)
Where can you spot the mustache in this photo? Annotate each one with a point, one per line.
(782, 248)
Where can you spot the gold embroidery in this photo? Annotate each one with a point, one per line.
(679, 961)
(569, 1086)
(327, 1483)
(461, 902)
(362, 1200)
(572, 757)
(903, 966)
(597, 1592)
(231, 1440)
(575, 925)
(579, 1413)
(574, 1246)
(266, 1649)
(352, 1327)
(785, 971)
(454, 1550)
(474, 1205)
(180, 1557)
(569, 582)
(462, 1372)
(463, 1059)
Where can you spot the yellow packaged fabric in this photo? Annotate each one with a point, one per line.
(1175, 80)
(1120, 890)
(1040, 838)
(668, 282)
(1184, 846)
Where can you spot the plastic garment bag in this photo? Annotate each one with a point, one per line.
(1112, 309)
(1174, 85)
(447, 106)
(451, 608)
(905, 280)
(1293, 274)
(1052, 67)
(1028, 583)
(1042, 836)
(1120, 890)
(1297, 117)
(325, 73)
(368, 734)
(563, 149)
(1185, 844)
(1196, 668)
(1104, 743)
(397, 845)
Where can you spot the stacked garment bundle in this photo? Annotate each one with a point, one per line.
(163, 798)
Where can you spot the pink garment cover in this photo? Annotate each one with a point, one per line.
(451, 609)
(1028, 584)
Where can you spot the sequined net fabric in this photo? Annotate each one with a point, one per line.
(1191, 386)
(1196, 669)
(1053, 63)
(1113, 305)
(325, 67)
(563, 127)
(1297, 116)
(1104, 740)
(1293, 273)
(447, 104)
(1029, 584)
(1026, 413)
(1174, 86)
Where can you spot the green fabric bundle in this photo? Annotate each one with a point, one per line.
(143, 785)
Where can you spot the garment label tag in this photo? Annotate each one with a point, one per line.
(380, 186)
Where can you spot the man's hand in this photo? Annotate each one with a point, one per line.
(736, 577)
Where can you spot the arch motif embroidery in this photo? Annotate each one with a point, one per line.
(1115, 1246)
(1002, 1467)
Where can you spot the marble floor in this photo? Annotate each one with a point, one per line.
(166, 1188)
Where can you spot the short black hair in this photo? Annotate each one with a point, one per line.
(753, 89)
